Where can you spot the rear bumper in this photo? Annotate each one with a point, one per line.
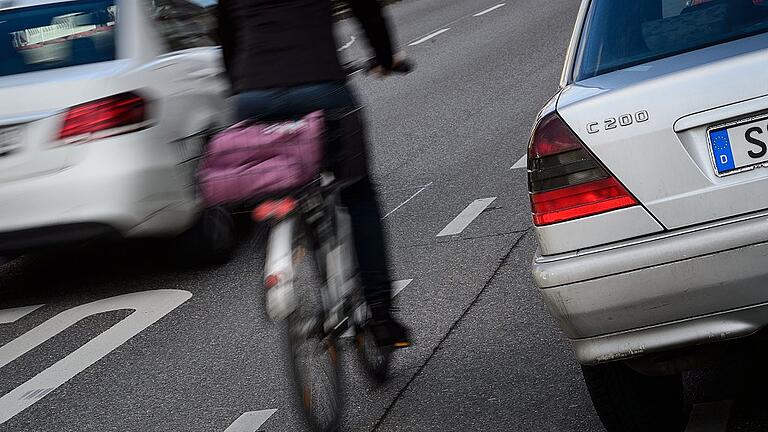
(662, 292)
(132, 184)
(51, 236)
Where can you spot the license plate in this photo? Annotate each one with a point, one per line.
(739, 146)
(10, 140)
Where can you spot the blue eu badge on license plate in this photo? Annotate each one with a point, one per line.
(721, 150)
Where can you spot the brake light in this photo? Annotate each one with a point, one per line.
(106, 117)
(564, 180)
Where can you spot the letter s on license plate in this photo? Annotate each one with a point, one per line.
(739, 146)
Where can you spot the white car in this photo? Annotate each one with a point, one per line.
(106, 106)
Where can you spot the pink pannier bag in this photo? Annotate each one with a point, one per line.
(252, 160)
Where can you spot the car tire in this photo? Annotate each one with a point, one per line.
(628, 401)
(210, 241)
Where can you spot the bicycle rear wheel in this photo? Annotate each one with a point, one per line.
(315, 366)
(313, 353)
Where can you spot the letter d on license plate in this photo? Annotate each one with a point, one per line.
(739, 146)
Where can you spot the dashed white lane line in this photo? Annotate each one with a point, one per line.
(491, 9)
(397, 287)
(710, 417)
(400, 285)
(250, 421)
(12, 315)
(428, 37)
(469, 214)
(407, 201)
(522, 163)
(351, 42)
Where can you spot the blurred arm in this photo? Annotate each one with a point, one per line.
(226, 35)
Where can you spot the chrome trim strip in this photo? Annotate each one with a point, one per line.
(27, 118)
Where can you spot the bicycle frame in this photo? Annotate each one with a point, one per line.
(329, 226)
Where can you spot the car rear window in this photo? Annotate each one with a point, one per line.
(623, 33)
(57, 35)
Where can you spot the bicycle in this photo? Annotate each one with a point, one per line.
(279, 163)
(310, 223)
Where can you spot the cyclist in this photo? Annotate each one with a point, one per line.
(281, 58)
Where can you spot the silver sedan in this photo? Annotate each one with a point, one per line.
(650, 196)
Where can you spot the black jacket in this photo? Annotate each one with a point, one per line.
(282, 43)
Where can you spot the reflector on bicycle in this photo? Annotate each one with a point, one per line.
(271, 281)
(274, 209)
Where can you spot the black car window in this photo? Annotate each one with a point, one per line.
(621, 33)
(57, 35)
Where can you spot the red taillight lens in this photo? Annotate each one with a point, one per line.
(564, 180)
(552, 136)
(112, 113)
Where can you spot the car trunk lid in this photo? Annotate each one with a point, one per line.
(648, 125)
(29, 126)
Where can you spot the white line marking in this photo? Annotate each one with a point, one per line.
(351, 42)
(522, 163)
(250, 421)
(407, 201)
(462, 221)
(400, 285)
(149, 307)
(8, 316)
(709, 417)
(500, 5)
(428, 37)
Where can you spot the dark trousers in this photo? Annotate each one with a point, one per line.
(359, 197)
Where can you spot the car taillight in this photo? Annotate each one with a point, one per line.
(110, 116)
(564, 180)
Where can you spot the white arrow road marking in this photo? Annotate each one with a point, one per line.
(148, 306)
(250, 421)
(522, 163)
(710, 417)
(490, 9)
(428, 37)
(12, 315)
(462, 221)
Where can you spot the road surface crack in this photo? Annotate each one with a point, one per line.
(450, 331)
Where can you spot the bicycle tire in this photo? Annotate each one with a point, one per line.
(314, 362)
(313, 354)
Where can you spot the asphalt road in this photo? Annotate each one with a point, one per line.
(487, 355)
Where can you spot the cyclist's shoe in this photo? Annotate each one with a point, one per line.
(385, 328)
(390, 333)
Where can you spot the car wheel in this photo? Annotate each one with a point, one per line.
(628, 401)
(210, 241)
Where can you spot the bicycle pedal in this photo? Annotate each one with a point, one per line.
(400, 345)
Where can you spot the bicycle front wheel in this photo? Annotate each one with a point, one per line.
(313, 354)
